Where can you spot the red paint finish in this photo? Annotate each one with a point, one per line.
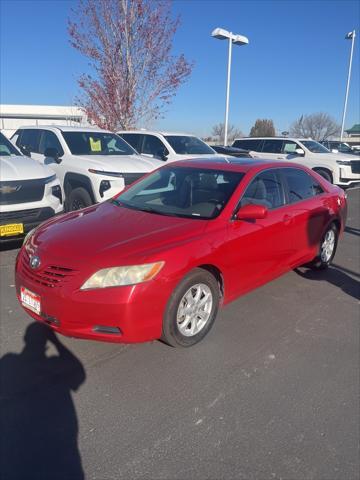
(246, 253)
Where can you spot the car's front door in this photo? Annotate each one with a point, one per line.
(259, 250)
(153, 147)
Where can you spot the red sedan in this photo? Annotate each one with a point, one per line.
(159, 259)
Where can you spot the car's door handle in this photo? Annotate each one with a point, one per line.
(287, 219)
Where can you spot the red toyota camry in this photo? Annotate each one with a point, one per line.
(159, 259)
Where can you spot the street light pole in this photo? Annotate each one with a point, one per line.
(222, 34)
(227, 93)
(350, 35)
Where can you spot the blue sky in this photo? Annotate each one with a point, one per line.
(296, 62)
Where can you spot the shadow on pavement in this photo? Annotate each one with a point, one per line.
(38, 422)
(354, 231)
(336, 276)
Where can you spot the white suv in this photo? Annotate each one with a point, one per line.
(167, 146)
(92, 164)
(340, 169)
(29, 192)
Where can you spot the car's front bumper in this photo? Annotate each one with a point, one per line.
(135, 311)
(349, 174)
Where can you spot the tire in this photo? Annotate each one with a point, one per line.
(325, 174)
(78, 198)
(327, 249)
(184, 328)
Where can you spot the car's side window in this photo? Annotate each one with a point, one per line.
(265, 189)
(249, 144)
(30, 139)
(133, 139)
(272, 146)
(289, 147)
(301, 185)
(154, 146)
(50, 140)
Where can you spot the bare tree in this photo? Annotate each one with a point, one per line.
(318, 126)
(218, 130)
(263, 128)
(128, 44)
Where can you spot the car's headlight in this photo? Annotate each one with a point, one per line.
(343, 162)
(119, 276)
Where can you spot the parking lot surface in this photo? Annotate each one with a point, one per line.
(271, 393)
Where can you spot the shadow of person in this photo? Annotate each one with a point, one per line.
(38, 423)
(335, 276)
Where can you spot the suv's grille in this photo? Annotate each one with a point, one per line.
(355, 166)
(49, 276)
(22, 191)
(132, 177)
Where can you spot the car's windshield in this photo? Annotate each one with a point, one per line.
(97, 143)
(6, 147)
(182, 192)
(186, 145)
(314, 147)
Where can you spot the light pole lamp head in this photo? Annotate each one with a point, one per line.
(240, 40)
(350, 35)
(221, 34)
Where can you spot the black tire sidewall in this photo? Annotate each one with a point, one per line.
(325, 174)
(170, 333)
(81, 194)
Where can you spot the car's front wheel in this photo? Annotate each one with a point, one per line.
(78, 198)
(327, 249)
(191, 310)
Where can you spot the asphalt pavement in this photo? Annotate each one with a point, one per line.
(271, 393)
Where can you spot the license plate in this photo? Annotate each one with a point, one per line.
(11, 229)
(30, 300)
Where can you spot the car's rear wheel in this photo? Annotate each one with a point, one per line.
(78, 198)
(327, 249)
(191, 310)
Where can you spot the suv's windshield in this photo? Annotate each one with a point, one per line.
(6, 147)
(314, 147)
(182, 192)
(97, 143)
(186, 145)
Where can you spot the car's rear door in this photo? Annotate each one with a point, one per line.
(310, 211)
(271, 149)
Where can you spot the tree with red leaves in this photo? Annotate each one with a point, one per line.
(128, 44)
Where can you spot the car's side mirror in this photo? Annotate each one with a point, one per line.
(25, 150)
(52, 152)
(300, 152)
(162, 154)
(251, 212)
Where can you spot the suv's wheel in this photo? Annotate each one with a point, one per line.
(327, 249)
(78, 198)
(191, 310)
(324, 173)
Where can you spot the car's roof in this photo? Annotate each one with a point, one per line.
(157, 132)
(233, 164)
(275, 138)
(64, 128)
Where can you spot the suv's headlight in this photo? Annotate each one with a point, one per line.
(343, 162)
(120, 276)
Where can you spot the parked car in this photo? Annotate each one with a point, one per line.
(167, 146)
(342, 170)
(29, 192)
(339, 147)
(92, 164)
(158, 260)
(233, 151)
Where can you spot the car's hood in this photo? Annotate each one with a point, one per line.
(107, 234)
(335, 156)
(207, 156)
(119, 163)
(16, 167)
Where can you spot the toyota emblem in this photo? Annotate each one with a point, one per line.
(35, 262)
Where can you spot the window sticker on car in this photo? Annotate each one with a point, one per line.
(95, 145)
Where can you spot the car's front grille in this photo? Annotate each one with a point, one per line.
(49, 276)
(22, 191)
(132, 177)
(27, 216)
(355, 166)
